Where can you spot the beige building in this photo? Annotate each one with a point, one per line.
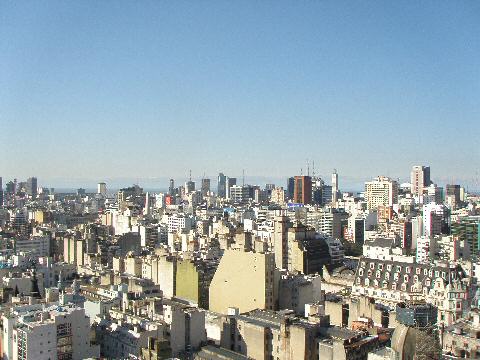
(381, 191)
(238, 272)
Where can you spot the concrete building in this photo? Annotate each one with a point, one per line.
(303, 190)
(381, 191)
(308, 251)
(419, 179)
(280, 241)
(433, 219)
(50, 332)
(193, 279)
(102, 189)
(461, 340)
(295, 291)
(32, 187)
(263, 335)
(238, 271)
(229, 182)
(334, 187)
(36, 246)
(205, 188)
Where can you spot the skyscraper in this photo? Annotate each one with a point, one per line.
(221, 187)
(419, 179)
(303, 190)
(171, 187)
(205, 186)
(32, 187)
(102, 188)
(334, 186)
(290, 187)
(229, 182)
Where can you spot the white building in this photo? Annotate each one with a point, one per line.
(47, 333)
(179, 222)
(102, 189)
(381, 191)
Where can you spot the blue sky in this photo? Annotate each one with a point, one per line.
(139, 89)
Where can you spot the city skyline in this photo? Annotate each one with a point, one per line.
(119, 90)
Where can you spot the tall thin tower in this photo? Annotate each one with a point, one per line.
(334, 186)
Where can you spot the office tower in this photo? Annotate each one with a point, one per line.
(102, 188)
(240, 194)
(32, 187)
(303, 190)
(381, 191)
(326, 195)
(229, 182)
(419, 179)
(189, 186)
(290, 188)
(171, 187)
(147, 209)
(467, 229)
(433, 219)
(453, 192)
(222, 185)
(205, 187)
(334, 186)
(308, 251)
(10, 188)
(1, 191)
(269, 187)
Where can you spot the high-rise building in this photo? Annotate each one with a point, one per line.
(453, 192)
(334, 186)
(280, 241)
(205, 186)
(467, 229)
(102, 189)
(381, 191)
(433, 219)
(55, 332)
(32, 187)
(222, 185)
(229, 182)
(171, 187)
(419, 179)
(290, 188)
(239, 194)
(303, 190)
(189, 187)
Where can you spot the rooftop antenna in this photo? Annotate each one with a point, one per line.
(190, 176)
(301, 171)
(313, 168)
(308, 168)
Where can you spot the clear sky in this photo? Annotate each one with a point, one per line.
(138, 89)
